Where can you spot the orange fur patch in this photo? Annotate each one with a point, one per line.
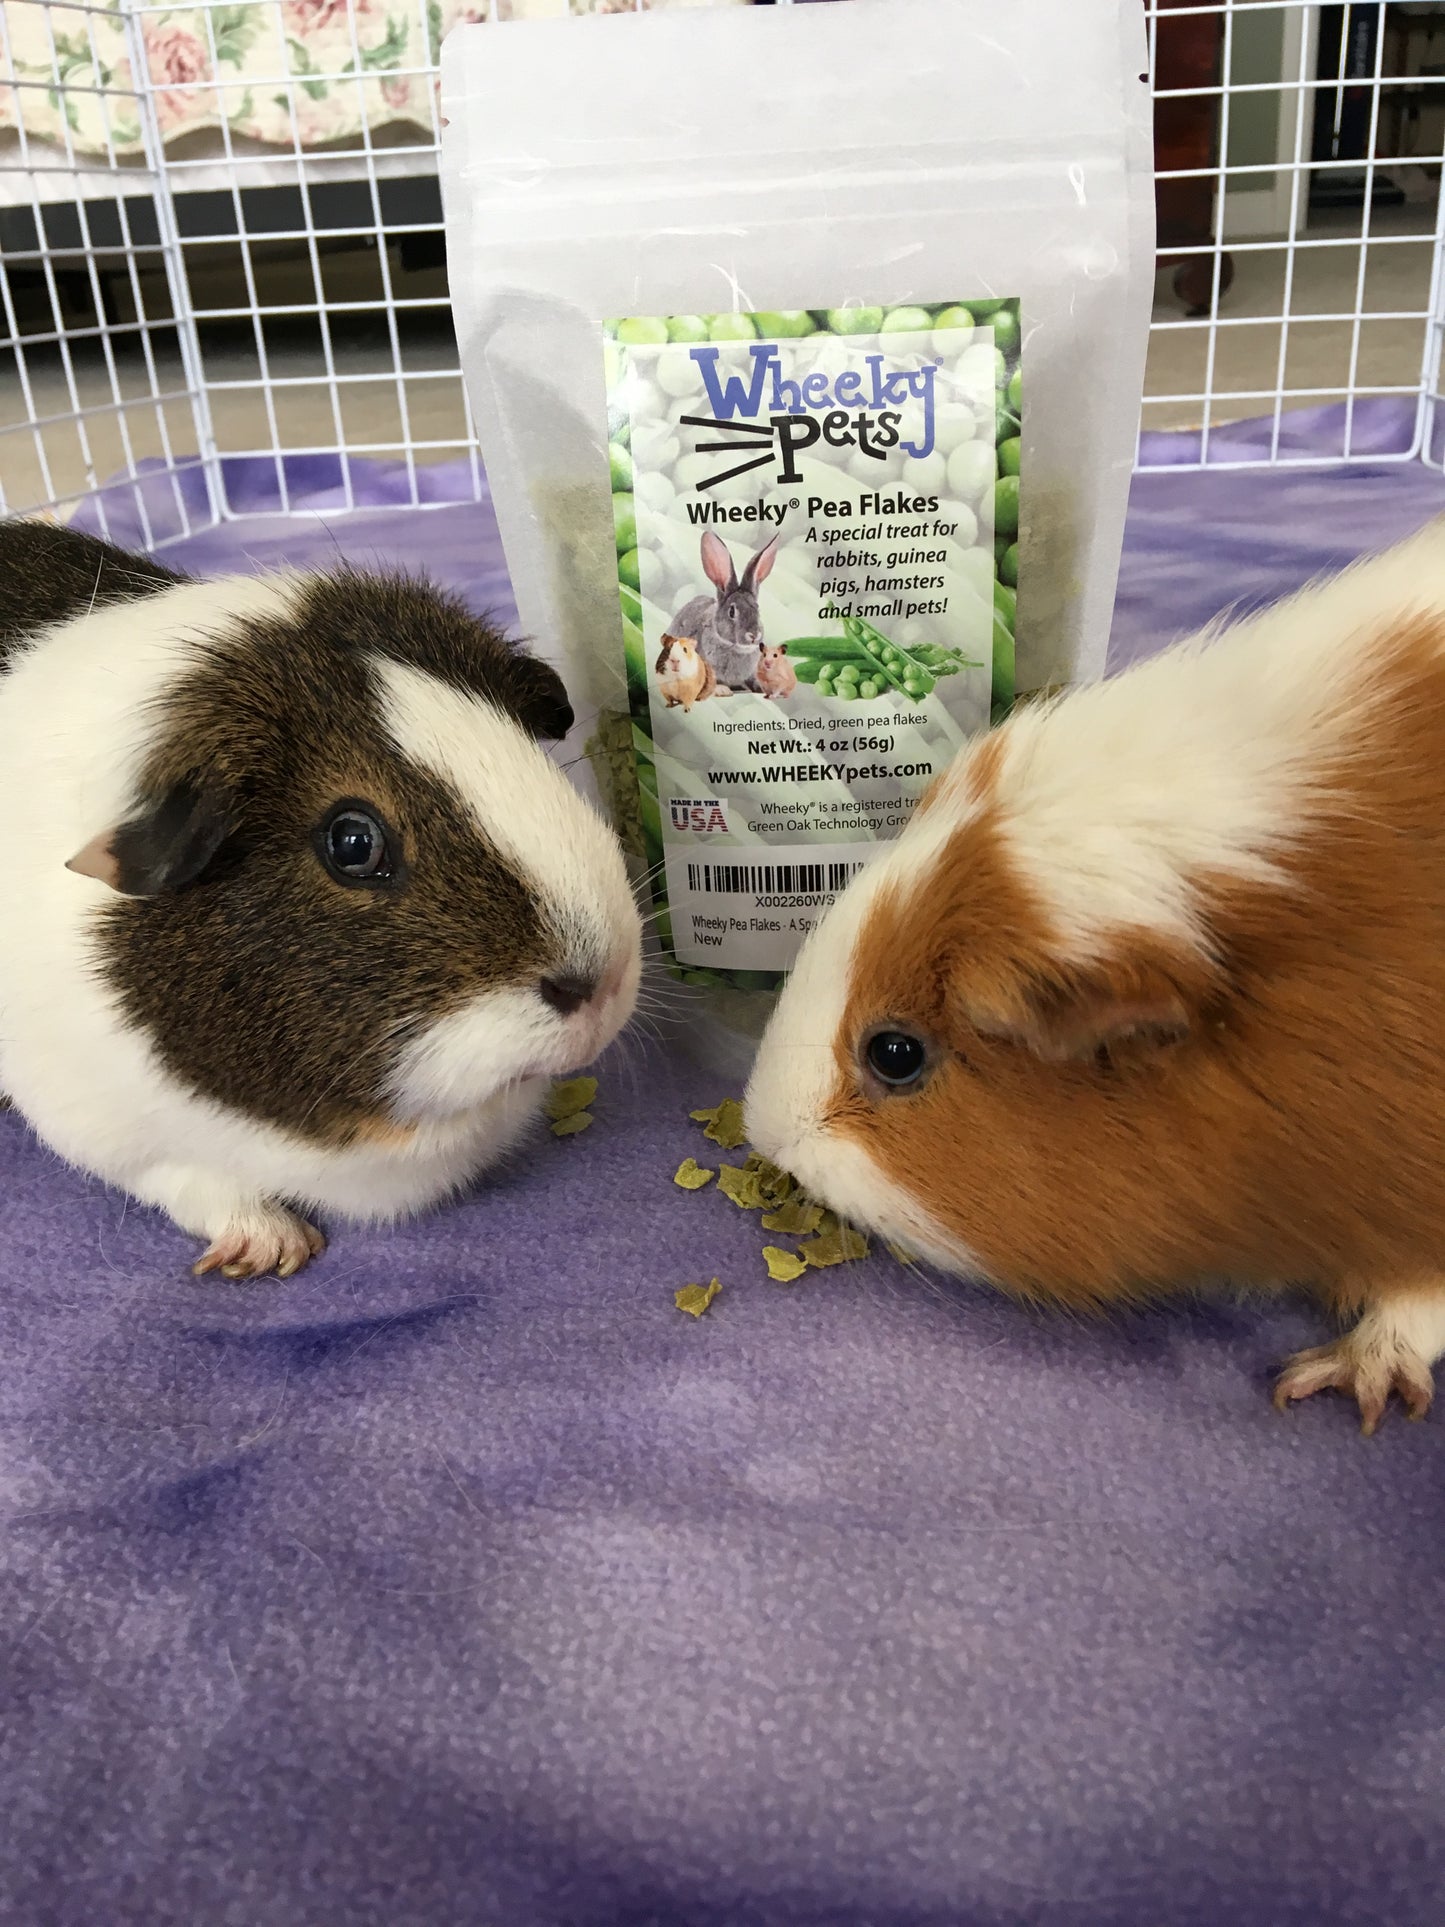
(382, 1130)
(1273, 1111)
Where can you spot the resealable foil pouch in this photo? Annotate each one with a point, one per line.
(805, 347)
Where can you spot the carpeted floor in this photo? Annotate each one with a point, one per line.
(463, 1579)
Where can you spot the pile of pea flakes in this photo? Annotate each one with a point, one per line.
(758, 1185)
(755, 1185)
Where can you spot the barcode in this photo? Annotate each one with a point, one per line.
(769, 879)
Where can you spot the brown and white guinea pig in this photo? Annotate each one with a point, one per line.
(297, 912)
(1151, 991)
(776, 675)
(682, 675)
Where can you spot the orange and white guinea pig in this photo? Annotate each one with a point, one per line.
(1151, 991)
(682, 675)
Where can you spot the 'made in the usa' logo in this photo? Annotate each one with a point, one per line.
(764, 417)
(703, 816)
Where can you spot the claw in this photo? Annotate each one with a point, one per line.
(275, 1241)
(1367, 1372)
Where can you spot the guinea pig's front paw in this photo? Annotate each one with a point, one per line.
(266, 1238)
(1367, 1364)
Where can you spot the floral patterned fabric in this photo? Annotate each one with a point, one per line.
(281, 71)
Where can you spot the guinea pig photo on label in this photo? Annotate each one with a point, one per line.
(355, 759)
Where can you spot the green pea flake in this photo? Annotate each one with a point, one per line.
(565, 1100)
(741, 1186)
(774, 1183)
(724, 1123)
(695, 1299)
(834, 1247)
(783, 1266)
(570, 1125)
(795, 1217)
(692, 1176)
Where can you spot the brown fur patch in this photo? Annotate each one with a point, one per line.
(1294, 1132)
(49, 573)
(383, 1130)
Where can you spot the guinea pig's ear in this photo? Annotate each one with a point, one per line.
(166, 844)
(537, 698)
(1132, 1006)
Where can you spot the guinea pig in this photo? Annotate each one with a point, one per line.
(1151, 990)
(298, 916)
(682, 675)
(776, 675)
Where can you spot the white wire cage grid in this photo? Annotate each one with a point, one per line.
(223, 283)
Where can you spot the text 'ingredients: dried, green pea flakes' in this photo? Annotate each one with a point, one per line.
(695, 1299)
(691, 1176)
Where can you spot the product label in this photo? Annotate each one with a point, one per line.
(817, 520)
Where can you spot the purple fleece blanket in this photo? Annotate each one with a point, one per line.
(463, 1579)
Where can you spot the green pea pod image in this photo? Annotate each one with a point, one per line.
(838, 648)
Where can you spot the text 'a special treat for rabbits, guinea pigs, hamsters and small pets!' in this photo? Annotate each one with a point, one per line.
(1152, 990)
(302, 915)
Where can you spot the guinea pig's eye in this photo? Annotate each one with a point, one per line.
(896, 1058)
(354, 846)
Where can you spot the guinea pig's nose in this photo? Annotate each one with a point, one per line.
(566, 994)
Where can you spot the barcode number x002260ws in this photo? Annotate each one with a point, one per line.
(769, 879)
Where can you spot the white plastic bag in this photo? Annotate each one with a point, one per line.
(856, 243)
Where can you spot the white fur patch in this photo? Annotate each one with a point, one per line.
(462, 1060)
(537, 823)
(1209, 758)
(796, 1073)
(528, 812)
(1407, 1323)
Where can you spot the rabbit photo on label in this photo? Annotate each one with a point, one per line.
(682, 675)
(729, 629)
(776, 675)
(303, 919)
